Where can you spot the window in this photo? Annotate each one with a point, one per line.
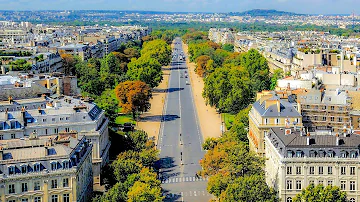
(289, 154)
(37, 167)
(330, 170)
(340, 108)
(324, 118)
(53, 165)
(65, 164)
(36, 186)
(352, 200)
(66, 198)
(37, 199)
(67, 129)
(352, 170)
(289, 170)
(289, 184)
(298, 170)
(24, 187)
(67, 118)
(56, 130)
(332, 118)
(11, 188)
(11, 200)
(340, 119)
(24, 200)
(352, 185)
(23, 168)
(1, 137)
(44, 120)
(277, 121)
(53, 119)
(332, 107)
(54, 198)
(343, 170)
(13, 136)
(321, 182)
(321, 170)
(299, 154)
(312, 170)
(53, 184)
(311, 182)
(289, 199)
(11, 170)
(61, 119)
(342, 185)
(66, 182)
(330, 182)
(46, 131)
(298, 184)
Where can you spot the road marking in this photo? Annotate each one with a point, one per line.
(203, 193)
(194, 193)
(190, 193)
(182, 196)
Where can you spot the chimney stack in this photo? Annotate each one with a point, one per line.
(11, 99)
(1, 154)
(6, 115)
(337, 139)
(23, 111)
(308, 139)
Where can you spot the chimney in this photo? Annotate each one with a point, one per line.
(278, 105)
(46, 150)
(39, 109)
(308, 139)
(10, 99)
(43, 96)
(337, 139)
(6, 115)
(1, 154)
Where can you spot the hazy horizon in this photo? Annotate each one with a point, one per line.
(324, 7)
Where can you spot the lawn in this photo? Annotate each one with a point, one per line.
(127, 118)
(228, 119)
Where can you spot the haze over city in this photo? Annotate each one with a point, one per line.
(297, 6)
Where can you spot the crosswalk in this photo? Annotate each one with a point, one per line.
(182, 179)
(187, 194)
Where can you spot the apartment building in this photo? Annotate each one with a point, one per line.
(53, 116)
(51, 62)
(325, 110)
(270, 111)
(296, 159)
(53, 168)
(81, 50)
(25, 86)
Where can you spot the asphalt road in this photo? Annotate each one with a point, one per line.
(180, 154)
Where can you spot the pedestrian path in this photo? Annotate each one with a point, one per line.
(182, 179)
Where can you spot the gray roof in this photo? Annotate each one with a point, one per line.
(298, 140)
(286, 109)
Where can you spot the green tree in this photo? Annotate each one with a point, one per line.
(108, 102)
(228, 47)
(321, 193)
(157, 49)
(248, 189)
(278, 74)
(142, 192)
(89, 78)
(145, 69)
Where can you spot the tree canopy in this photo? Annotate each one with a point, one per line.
(320, 193)
(133, 96)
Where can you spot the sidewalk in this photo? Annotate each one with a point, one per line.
(210, 120)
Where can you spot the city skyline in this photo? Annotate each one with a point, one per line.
(297, 6)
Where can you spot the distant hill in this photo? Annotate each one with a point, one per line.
(264, 12)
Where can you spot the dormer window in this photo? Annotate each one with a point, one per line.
(66, 164)
(353, 154)
(289, 154)
(343, 154)
(330, 153)
(299, 154)
(24, 169)
(53, 165)
(37, 167)
(11, 170)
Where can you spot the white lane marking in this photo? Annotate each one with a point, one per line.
(190, 193)
(194, 193)
(182, 196)
(203, 193)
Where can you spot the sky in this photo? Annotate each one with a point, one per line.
(298, 6)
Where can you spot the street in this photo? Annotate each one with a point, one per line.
(180, 138)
